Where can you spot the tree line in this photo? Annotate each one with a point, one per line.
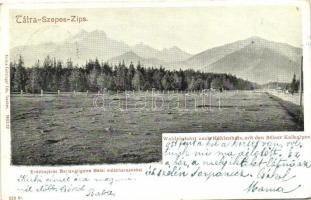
(292, 86)
(52, 75)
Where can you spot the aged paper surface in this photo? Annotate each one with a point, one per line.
(155, 100)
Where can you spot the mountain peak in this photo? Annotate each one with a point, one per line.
(144, 50)
(142, 47)
(82, 32)
(256, 39)
(141, 44)
(172, 49)
(85, 35)
(98, 33)
(175, 48)
(129, 54)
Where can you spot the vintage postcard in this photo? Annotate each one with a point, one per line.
(155, 100)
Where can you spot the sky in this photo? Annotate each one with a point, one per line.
(193, 29)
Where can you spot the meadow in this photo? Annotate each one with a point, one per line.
(124, 127)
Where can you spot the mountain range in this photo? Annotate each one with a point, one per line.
(254, 59)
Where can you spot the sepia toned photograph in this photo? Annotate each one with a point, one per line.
(101, 85)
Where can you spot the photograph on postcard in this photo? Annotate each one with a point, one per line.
(101, 85)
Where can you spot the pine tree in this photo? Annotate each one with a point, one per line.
(33, 83)
(138, 80)
(12, 77)
(167, 82)
(293, 85)
(20, 77)
(177, 81)
(217, 83)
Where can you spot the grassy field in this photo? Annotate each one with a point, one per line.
(80, 129)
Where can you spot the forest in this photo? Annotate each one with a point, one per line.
(53, 75)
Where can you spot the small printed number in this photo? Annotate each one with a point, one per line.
(15, 198)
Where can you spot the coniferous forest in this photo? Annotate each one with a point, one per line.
(52, 75)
